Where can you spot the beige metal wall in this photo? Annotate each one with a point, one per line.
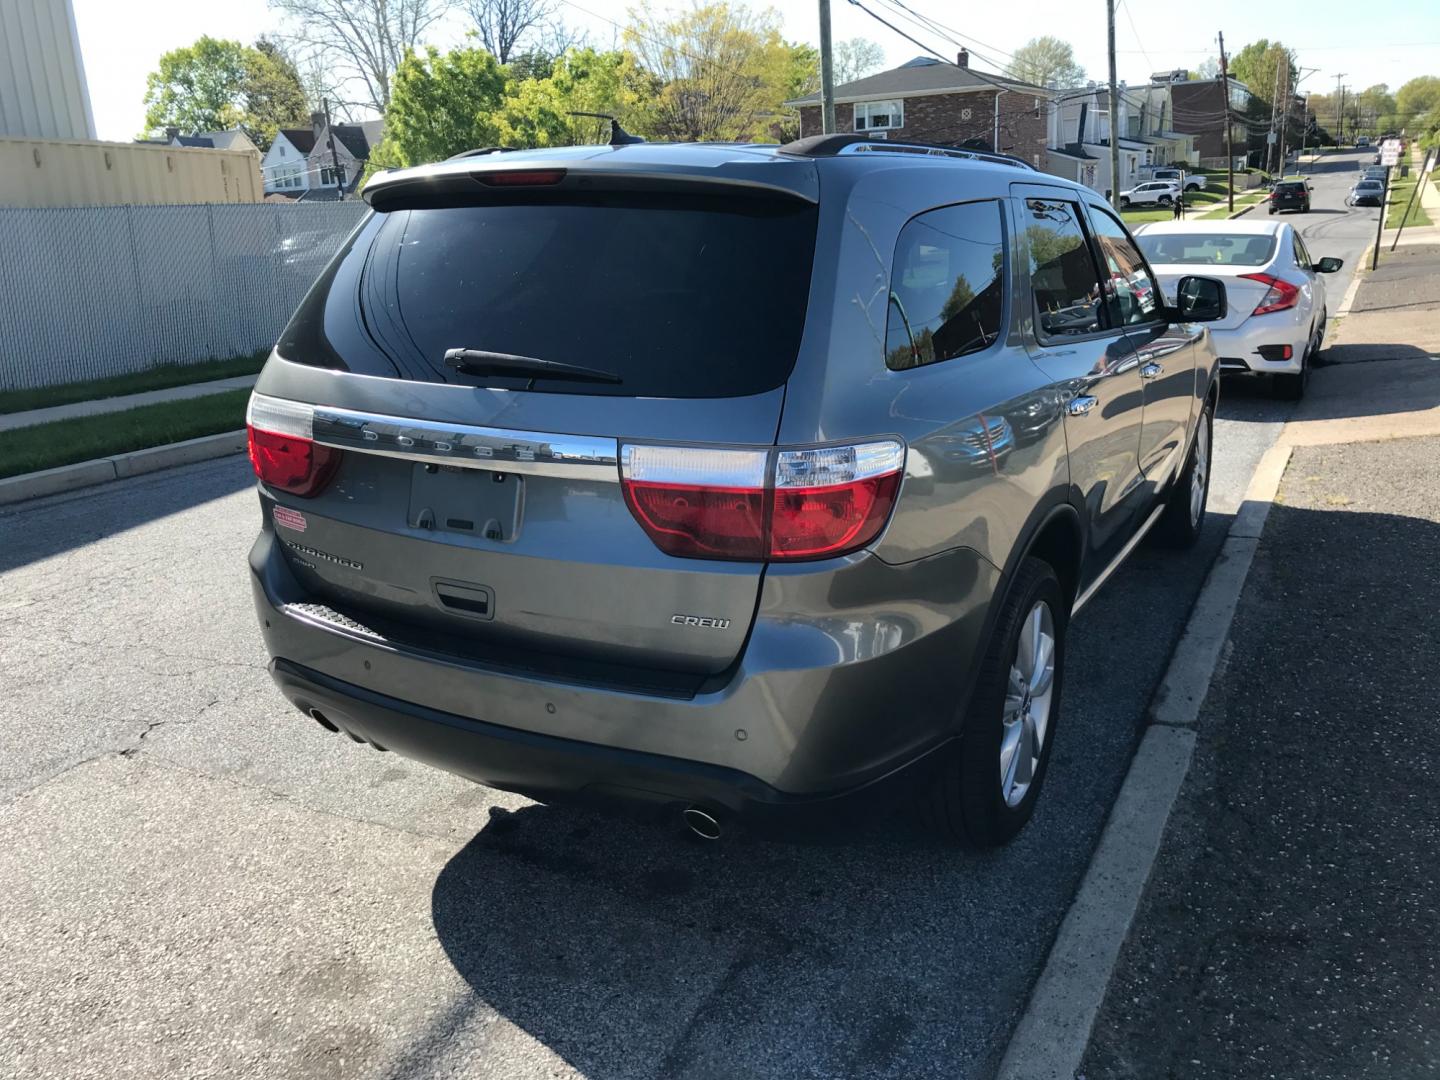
(56, 172)
(42, 76)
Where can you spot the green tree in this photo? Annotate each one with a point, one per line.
(213, 85)
(1046, 61)
(539, 112)
(721, 73)
(273, 94)
(1262, 66)
(1416, 97)
(440, 105)
(198, 87)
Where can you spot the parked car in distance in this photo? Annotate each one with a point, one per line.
(1151, 193)
(1374, 172)
(1277, 296)
(1189, 181)
(1290, 195)
(735, 555)
(1362, 141)
(1366, 193)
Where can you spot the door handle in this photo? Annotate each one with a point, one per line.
(1082, 404)
(1151, 370)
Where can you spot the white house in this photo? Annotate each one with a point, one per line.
(1079, 135)
(285, 167)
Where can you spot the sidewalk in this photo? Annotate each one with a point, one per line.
(11, 421)
(1291, 925)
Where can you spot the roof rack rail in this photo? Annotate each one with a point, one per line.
(833, 145)
(481, 151)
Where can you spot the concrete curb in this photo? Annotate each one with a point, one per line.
(103, 470)
(1355, 279)
(1050, 1039)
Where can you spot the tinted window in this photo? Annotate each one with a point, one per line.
(1062, 271)
(1207, 249)
(1130, 290)
(947, 286)
(679, 298)
(1290, 189)
(1302, 253)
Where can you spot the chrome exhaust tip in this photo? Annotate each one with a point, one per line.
(702, 823)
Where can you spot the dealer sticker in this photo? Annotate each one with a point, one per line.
(291, 519)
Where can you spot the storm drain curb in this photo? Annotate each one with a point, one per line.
(85, 474)
(1050, 1039)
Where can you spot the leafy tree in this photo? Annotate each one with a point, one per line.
(721, 72)
(539, 112)
(273, 92)
(1209, 69)
(213, 85)
(441, 105)
(359, 41)
(1046, 61)
(1259, 65)
(856, 58)
(1416, 97)
(198, 87)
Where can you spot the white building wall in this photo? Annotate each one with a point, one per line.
(285, 168)
(43, 94)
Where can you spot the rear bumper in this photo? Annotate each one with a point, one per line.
(1240, 349)
(552, 769)
(819, 706)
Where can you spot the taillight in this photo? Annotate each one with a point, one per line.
(282, 450)
(522, 177)
(1279, 295)
(753, 505)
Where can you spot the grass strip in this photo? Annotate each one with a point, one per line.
(64, 442)
(160, 377)
(1400, 191)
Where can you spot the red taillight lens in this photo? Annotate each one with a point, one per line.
(290, 463)
(702, 503)
(1279, 295)
(810, 523)
(282, 451)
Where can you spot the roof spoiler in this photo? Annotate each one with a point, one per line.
(835, 145)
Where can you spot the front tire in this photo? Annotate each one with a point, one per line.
(1184, 516)
(986, 793)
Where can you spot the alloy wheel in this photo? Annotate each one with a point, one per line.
(1028, 697)
(1200, 474)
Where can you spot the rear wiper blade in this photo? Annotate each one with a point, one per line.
(481, 362)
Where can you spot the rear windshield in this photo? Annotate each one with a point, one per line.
(1296, 188)
(1207, 249)
(675, 297)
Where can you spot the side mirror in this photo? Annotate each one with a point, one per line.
(1200, 299)
(1328, 265)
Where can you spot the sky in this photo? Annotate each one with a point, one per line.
(1393, 41)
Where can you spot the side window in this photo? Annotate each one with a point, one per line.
(1131, 293)
(947, 285)
(1302, 253)
(1062, 270)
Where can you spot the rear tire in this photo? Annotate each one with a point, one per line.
(1183, 519)
(1124, 203)
(981, 797)
(1292, 387)
(1164, 200)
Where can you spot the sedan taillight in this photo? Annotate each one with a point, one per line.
(754, 505)
(282, 450)
(1279, 295)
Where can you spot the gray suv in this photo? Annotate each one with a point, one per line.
(740, 481)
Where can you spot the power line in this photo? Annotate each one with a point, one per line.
(950, 33)
(915, 19)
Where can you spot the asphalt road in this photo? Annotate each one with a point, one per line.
(201, 881)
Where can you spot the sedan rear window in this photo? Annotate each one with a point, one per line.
(1207, 249)
(676, 297)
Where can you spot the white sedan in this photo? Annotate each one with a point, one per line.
(1275, 291)
(1148, 194)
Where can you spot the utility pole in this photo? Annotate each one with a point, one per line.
(1339, 110)
(334, 157)
(1114, 109)
(827, 73)
(1224, 111)
(1274, 113)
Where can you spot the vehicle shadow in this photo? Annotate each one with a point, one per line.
(40, 528)
(631, 950)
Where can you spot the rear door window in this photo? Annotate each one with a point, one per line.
(1063, 277)
(692, 297)
(1131, 291)
(947, 292)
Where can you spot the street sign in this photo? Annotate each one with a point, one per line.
(1390, 152)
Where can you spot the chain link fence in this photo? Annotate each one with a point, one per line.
(89, 292)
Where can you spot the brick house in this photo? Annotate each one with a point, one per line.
(1201, 109)
(928, 100)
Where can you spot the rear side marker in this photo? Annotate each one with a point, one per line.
(757, 505)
